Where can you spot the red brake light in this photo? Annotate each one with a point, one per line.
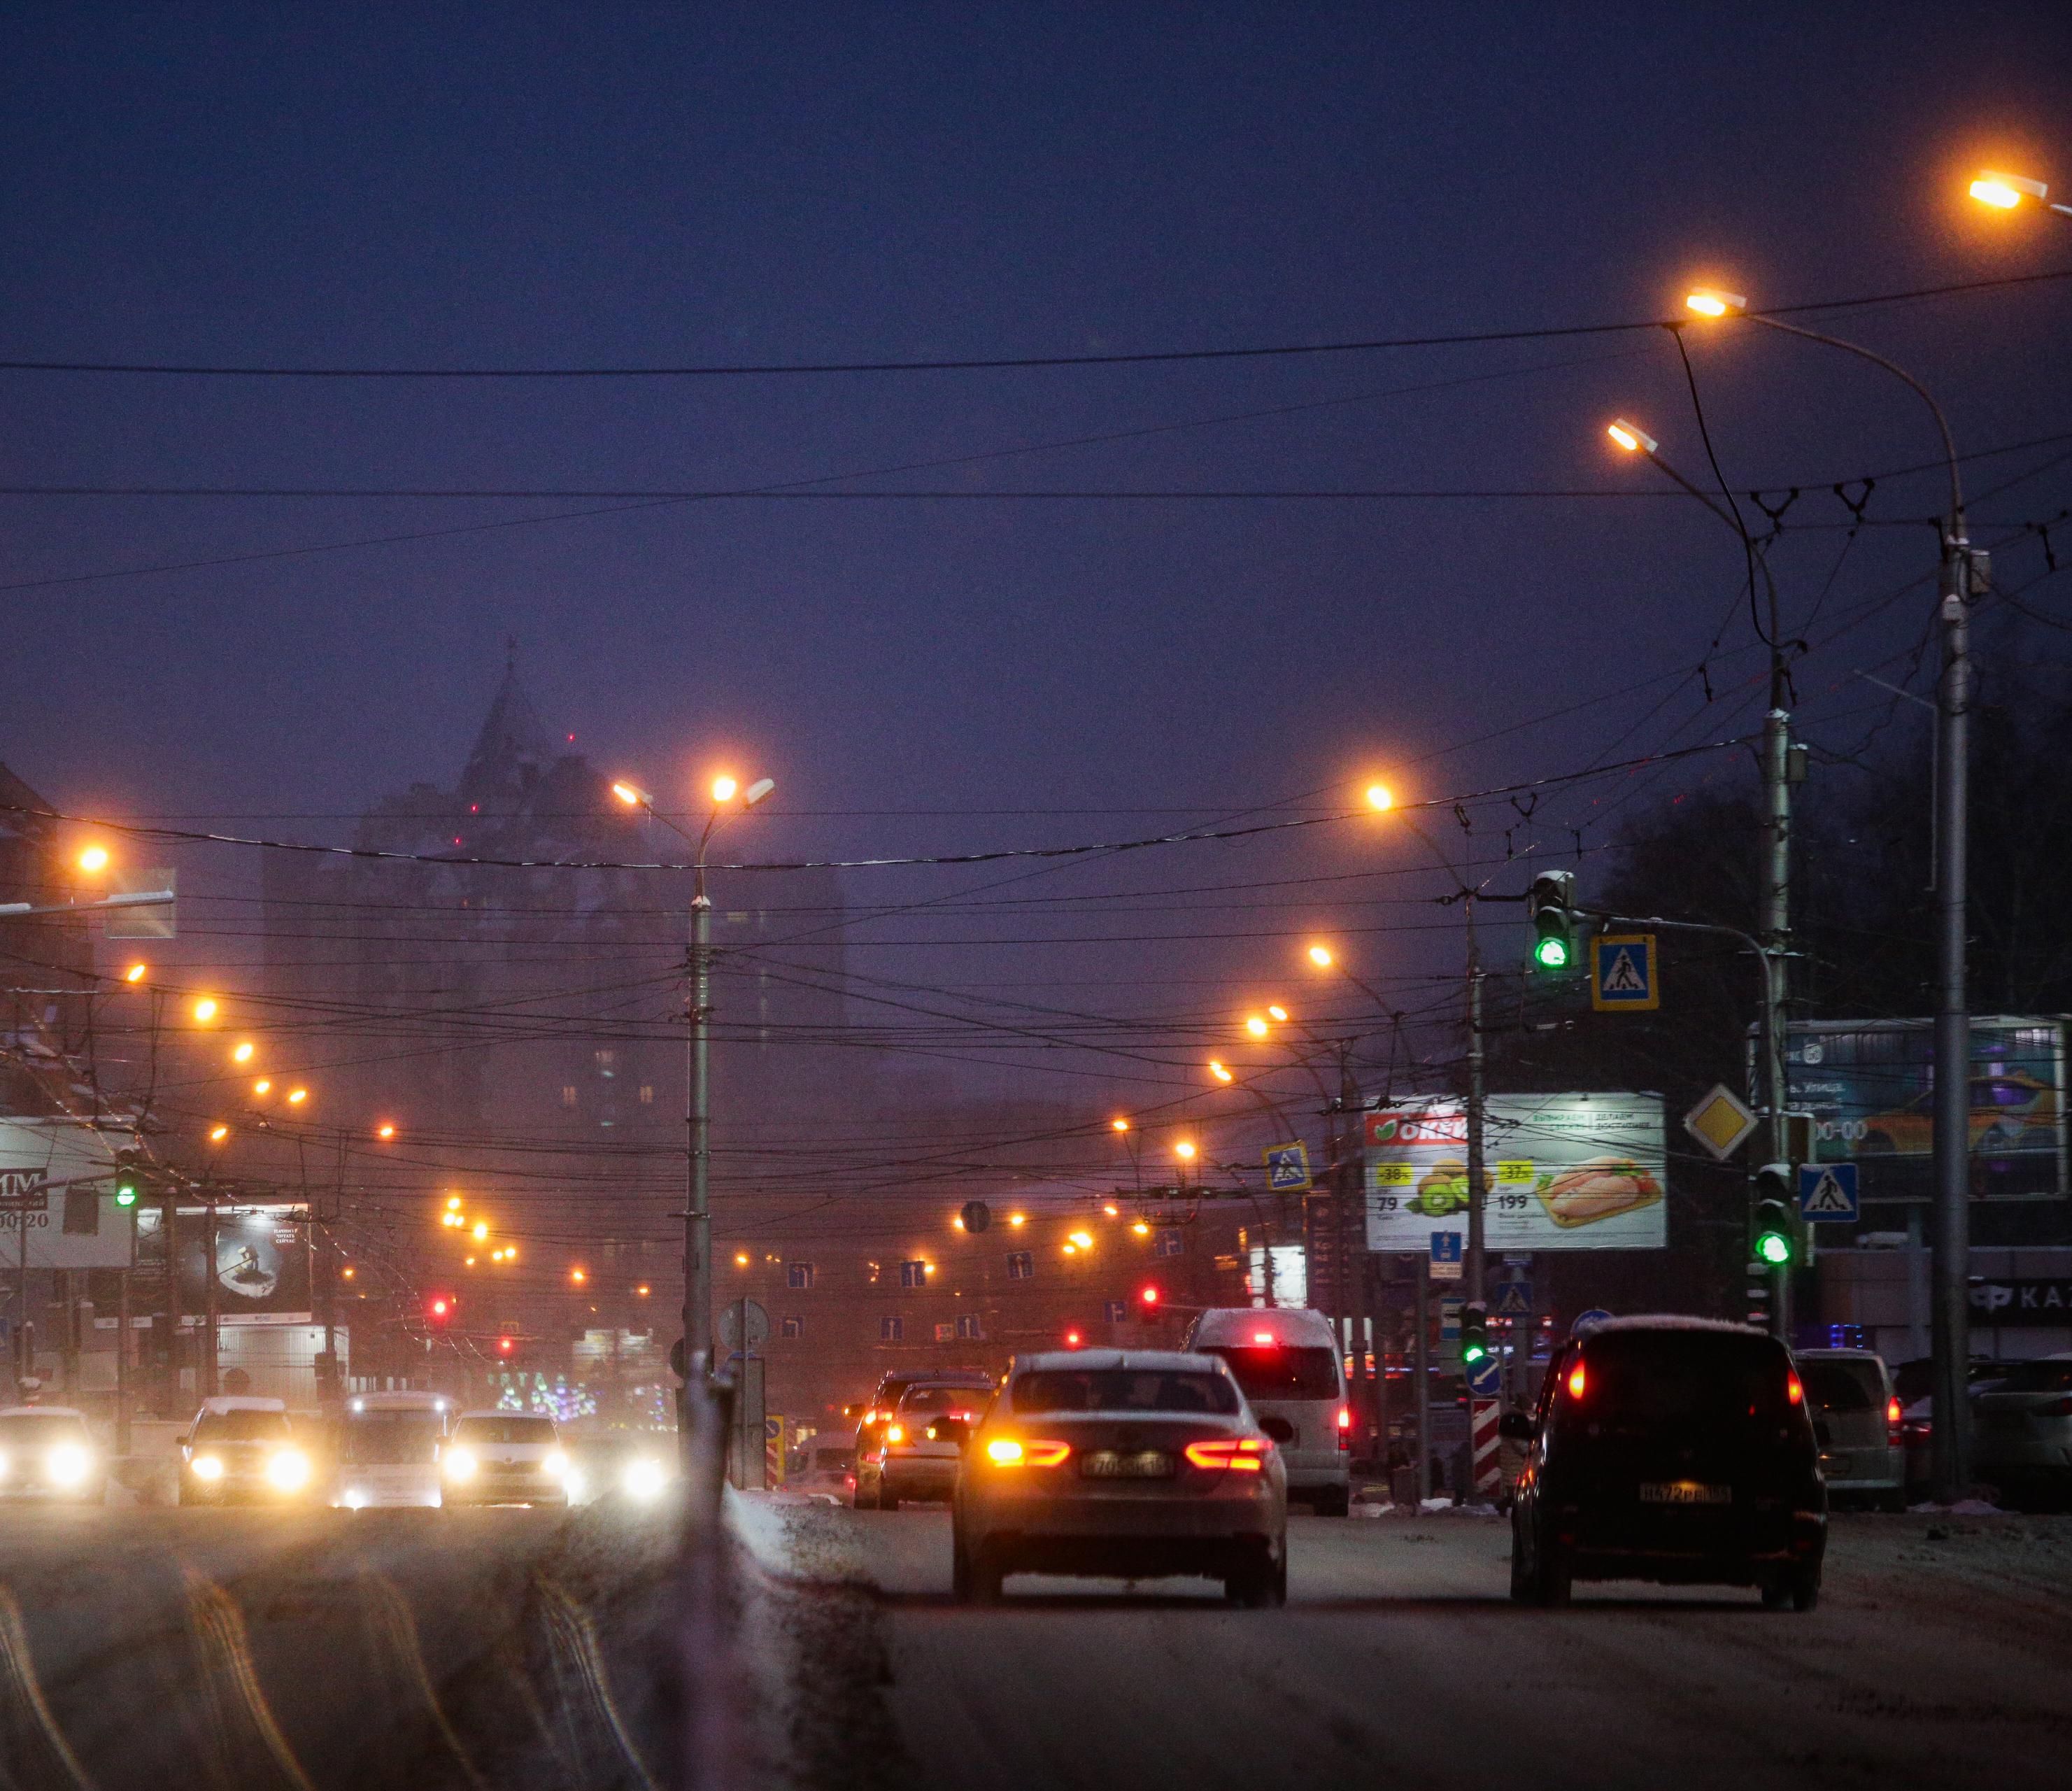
(1894, 1413)
(2058, 1408)
(1895, 1423)
(1578, 1380)
(1262, 1336)
(1247, 1454)
(1345, 1427)
(1793, 1391)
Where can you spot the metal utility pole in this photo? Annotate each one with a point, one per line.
(1478, 1193)
(698, 1123)
(1421, 1355)
(173, 1407)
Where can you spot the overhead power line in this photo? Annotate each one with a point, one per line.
(1260, 351)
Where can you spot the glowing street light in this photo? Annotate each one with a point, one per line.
(297, 1097)
(723, 789)
(1255, 1025)
(1714, 301)
(1379, 796)
(384, 1130)
(218, 1133)
(1084, 1239)
(1630, 436)
(1220, 1072)
(1321, 956)
(243, 1053)
(633, 795)
(1018, 1219)
(135, 973)
(262, 1086)
(205, 1009)
(1184, 1150)
(481, 1232)
(1119, 1124)
(578, 1276)
(1275, 1012)
(93, 860)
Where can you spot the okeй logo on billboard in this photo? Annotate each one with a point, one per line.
(1561, 1171)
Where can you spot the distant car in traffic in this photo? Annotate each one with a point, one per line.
(636, 1466)
(822, 1470)
(1132, 1464)
(915, 1458)
(48, 1454)
(878, 1413)
(1858, 1420)
(2021, 1433)
(242, 1449)
(1286, 1362)
(504, 1458)
(1671, 1449)
(389, 1449)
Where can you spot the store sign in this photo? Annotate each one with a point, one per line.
(57, 1183)
(1560, 1173)
(2025, 1301)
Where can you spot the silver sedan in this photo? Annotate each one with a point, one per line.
(1134, 1464)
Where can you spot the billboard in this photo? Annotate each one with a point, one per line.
(262, 1260)
(1869, 1086)
(55, 1184)
(1560, 1172)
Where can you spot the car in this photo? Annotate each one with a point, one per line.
(1858, 1421)
(822, 1470)
(915, 1458)
(2021, 1432)
(2010, 1110)
(389, 1449)
(1131, 1464)
(637, 1466)
(1912, 1381)
(504, 1458)
(48, 1454)
(1671, 1449)
(1286, 1360)
(239, 1449)
(879, 1414)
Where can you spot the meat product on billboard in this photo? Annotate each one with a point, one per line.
(1596, 1190)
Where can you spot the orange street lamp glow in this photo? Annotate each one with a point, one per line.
(1629, 436)
(1018, 1219)
(1379, 796)
(1256, 1026)
(453, 1203)
(481, 1232)
(1071, 1250)
(262, 1086)
(1142, 1229)
(1713, 302)
(218, 1133)
(631, 794)
(1321, 956)
(297, 1097)
(205, 1008)
(1119, 1124)
(385, 1131)
(741, 1259)
(723, 789)
(641, 1290)
(348, 1271)
(93, 860)
(1217, 1071)
(243, 1053)
(1184, 1150)
(577, 1277)
(1084, 1239)
(1111, 1209)
(2004, 191)
(1276, 1012)
(135, 972)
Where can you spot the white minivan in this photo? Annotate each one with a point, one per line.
(1286, 1362)
(389, 1449)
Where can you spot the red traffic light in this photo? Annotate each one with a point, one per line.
(440, 1307)
(1150, 1296)
(505, 1345)
(1071, 1340)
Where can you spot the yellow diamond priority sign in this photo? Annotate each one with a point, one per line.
(1721, 1122)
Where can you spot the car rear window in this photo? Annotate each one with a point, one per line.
(2037, 1378)
(827, 1459)
(1123, 1389)
(242, 1425)
(942, 1399)
(1282, 1371)
(506, 1429)
(1843, 1386)
(1673, 1377)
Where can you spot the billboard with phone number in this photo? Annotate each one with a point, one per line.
(1561, 1172)
(1870, 1087)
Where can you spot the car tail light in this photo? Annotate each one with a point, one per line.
(1007, 1452)
(1345, 1427)
(1247, 1454)
(895, 1433)
(1895, 1421)
(1794, 1390)
(2058, 1408)
(1578, 1380)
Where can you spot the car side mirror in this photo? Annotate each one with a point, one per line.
(950, 1430)
(1516, 1426)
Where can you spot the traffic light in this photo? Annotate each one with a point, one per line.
(1474, 1333)
(1551, 908)
(128, 1182)
(1773, 1233)
(441, 1307)
(1148, 1297)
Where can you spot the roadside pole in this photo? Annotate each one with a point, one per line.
(1476, 1180)
(1422, 1398)
(208, 1364)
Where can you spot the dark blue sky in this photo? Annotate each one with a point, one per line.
(516, 185)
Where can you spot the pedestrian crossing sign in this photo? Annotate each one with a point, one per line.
(1828, 1191)
(1287, 1168)
(1623, 973)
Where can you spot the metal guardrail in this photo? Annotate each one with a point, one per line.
(707, 1753)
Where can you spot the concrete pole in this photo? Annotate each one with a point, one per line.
(1478, 1191)
(697, 1220)
(1775, 936)
(1421, 1351)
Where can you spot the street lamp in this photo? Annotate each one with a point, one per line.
(1960, 578)
(697, 1120)
(2004, 191)
(93, 860)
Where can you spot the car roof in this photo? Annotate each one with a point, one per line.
(1242, 1324)
(940, 1378)
(399, 1402)
(241, 1403)
(41, 1411)
(1666, 1321)
(1180, 1361)
(1837, 1354)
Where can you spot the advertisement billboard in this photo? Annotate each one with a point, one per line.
(55, 1182)
(262, 1260)
(1869, 1086)
(1561, 1172)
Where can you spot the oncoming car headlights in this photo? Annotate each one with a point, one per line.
(68, 1464)
(206, 1467)
(644, 1479)
(555, 1465)
(460, 1464)
(287, 1470)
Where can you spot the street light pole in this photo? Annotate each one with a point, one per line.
(1958, 571)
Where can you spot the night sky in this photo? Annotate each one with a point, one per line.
(615, 185)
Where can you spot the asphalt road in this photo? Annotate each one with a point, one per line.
(1938, 1658)
(248, 1650)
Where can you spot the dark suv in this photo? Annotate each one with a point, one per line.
(1671, 1449)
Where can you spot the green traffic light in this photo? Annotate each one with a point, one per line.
(1774, 1248)
(1473, 1353)
(1551, 952)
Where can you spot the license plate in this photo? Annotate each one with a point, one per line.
(1108, 1464)
(1684, 1492)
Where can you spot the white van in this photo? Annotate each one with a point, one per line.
(1287, 1363)
(388, 1449)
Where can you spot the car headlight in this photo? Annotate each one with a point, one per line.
(3, 1464)
(68, 1464)
(556, 1466)
(461, 1464)
(644, 1479)
(287, 1470)
(354, 1499)
(207, 1467)
(574, 1484)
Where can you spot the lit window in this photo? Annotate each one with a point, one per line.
(605, 1060)
(568, 1094)
(891, 1331)
(646, 1094)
